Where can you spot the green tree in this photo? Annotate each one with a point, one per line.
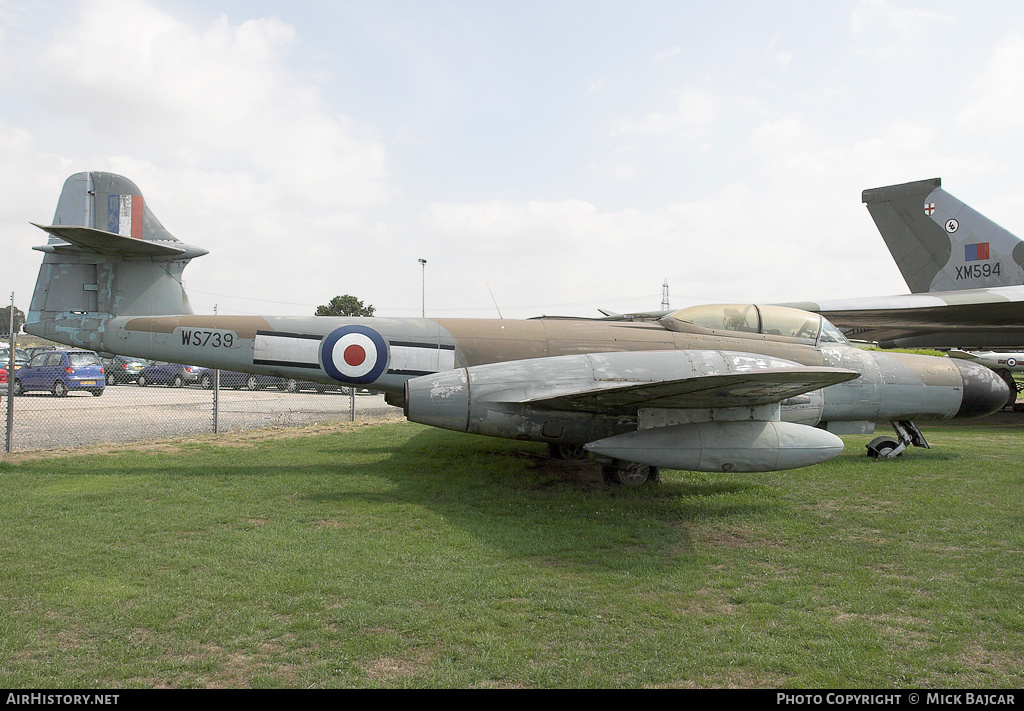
(346, 305)
(5, 320)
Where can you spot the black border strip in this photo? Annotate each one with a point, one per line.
(287, 363)
(431, 346)
(284, 334)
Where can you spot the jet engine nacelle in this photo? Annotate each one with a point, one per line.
(749, 446)
(583, 400)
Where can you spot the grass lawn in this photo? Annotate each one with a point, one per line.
(395, 555)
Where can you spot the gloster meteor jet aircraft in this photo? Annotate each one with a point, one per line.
(730, 387)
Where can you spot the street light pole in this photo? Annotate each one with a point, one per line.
(423, 267)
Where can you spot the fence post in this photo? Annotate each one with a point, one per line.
(216, 389)
(10, 381)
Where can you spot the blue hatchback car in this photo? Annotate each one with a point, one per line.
(60, 372)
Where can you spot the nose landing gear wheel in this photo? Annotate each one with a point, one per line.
(883, 448)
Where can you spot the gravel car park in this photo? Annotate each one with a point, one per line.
(132, 414)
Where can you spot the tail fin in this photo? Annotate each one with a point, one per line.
(941, 244)
(107, 256)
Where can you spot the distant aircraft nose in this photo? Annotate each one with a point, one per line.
(984, 391)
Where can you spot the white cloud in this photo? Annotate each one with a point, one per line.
(622, 171)
(908, 23)
(569, 249)
(234, 149)
(783, 135)
(781, 56)
(28, 175)
(216, 99)
(743, 183)
(997, 96)
(696, 110)
(666, 55)
(891, 32)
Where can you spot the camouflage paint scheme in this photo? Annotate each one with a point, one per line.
(965, 271)
(715, 388)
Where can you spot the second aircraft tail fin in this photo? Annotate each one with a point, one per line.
(941, 244)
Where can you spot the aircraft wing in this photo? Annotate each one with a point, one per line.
(745, 389)
(700, 386)
(957, 353)
(980, 318)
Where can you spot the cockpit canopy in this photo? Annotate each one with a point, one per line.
(764, 320)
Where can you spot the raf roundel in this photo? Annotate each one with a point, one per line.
(354, 354)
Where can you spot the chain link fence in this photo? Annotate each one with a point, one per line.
(134, 401)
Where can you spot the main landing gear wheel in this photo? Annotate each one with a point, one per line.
(573, 452)
(631, 474)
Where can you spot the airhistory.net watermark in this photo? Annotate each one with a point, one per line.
(42, 699)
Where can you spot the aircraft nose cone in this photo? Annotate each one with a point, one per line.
(984, 391)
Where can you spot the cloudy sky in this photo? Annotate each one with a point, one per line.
(547, 157)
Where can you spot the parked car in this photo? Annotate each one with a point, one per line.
(123, 369)
(174, 375)
(60, 372)
(3, 380)
(294, 386)
(250, 381)
(241, 381)
(32, 351)
(21, 356)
